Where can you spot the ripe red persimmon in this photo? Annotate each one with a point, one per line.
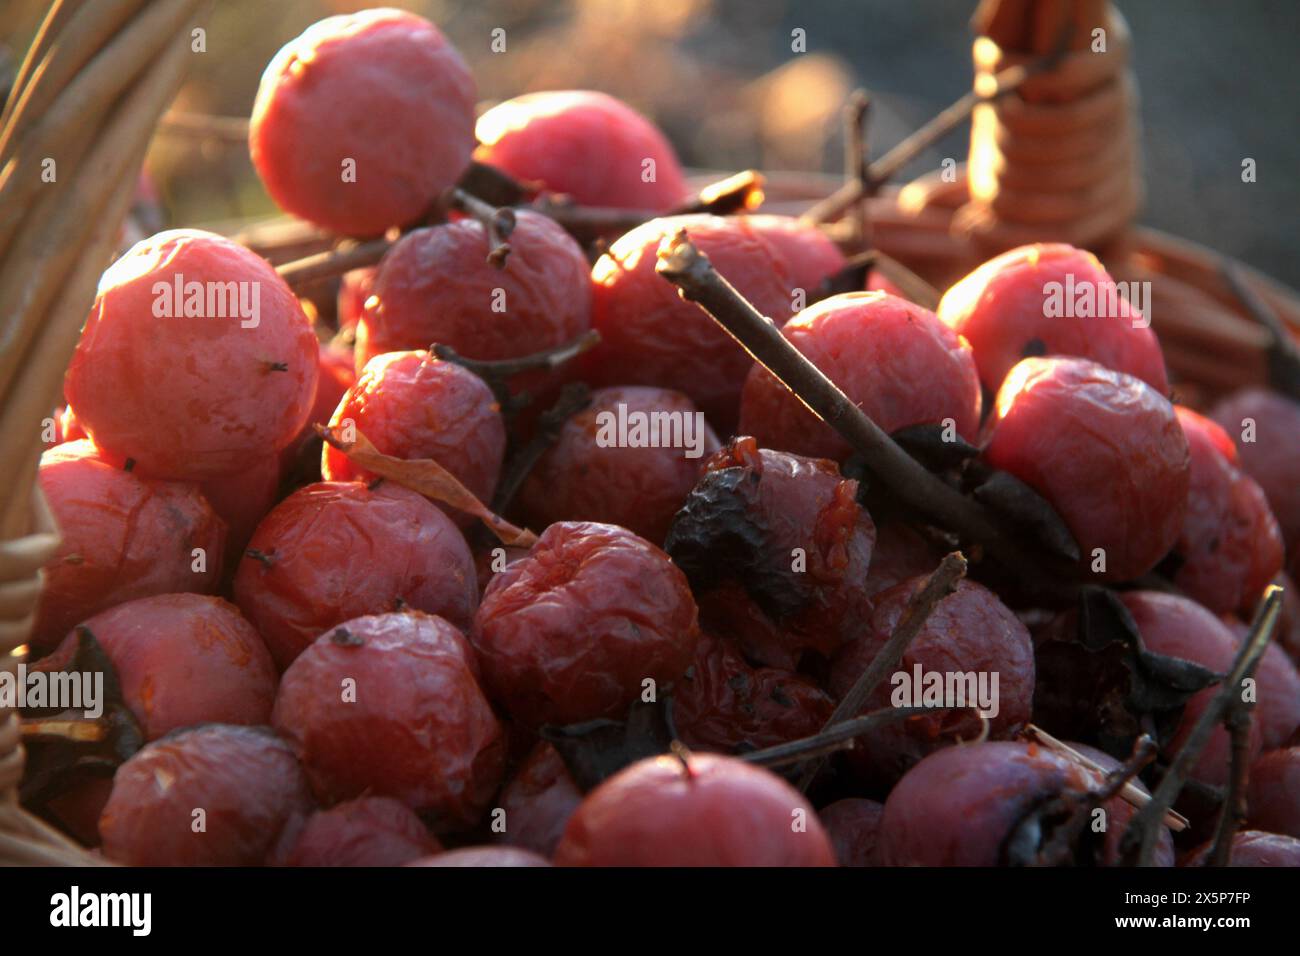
(705, 810)
(538, 801)
(337, 550)
(124, 537)
(1230, 546)
(1106, 450)
(901, 552)
(362, 121)
(1050, 299)
(1254, 848)
(1274, 795)
(390, 705)
(338, 373)
(571, 632)
(853, 824)
(185, 659)
(958, 806)
(354, 289)
(1178, 627)
(244, 781)
(970, 632)
(595, 473)
(495, 856)
(809, 255)
(651, 336)
(1266, 429)
(368, 831)
(436, 286)
(195, 359)
(242, 499)
(588, 145)
(411, 405)
(778, 550)
(898, 362)
(723, 704)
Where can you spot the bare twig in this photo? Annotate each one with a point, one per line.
(831, 738)
(856, 113)
(736, 193)
(683, 264)
(885, 168)
(226, 129)
(1140, 838)
(942, 582)
(1232, 814)
(574, 397)
(497, 373)
(323, 265)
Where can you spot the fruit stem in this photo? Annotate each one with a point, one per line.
(834, 736)
(497, 221)
(1140, 837)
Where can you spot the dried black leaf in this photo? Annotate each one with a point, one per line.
(1101, 684)
(1170, 565)
(715, 528)
(1025, 508)
(54, 764)
(719, 536)
(926, 443)
(1284, 370)
(596, 749)
(492, 186)
(851, 278)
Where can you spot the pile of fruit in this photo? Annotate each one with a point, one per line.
(297, 547)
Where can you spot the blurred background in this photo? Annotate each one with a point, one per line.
(1218, 82)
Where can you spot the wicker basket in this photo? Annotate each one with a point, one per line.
(99, 76)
